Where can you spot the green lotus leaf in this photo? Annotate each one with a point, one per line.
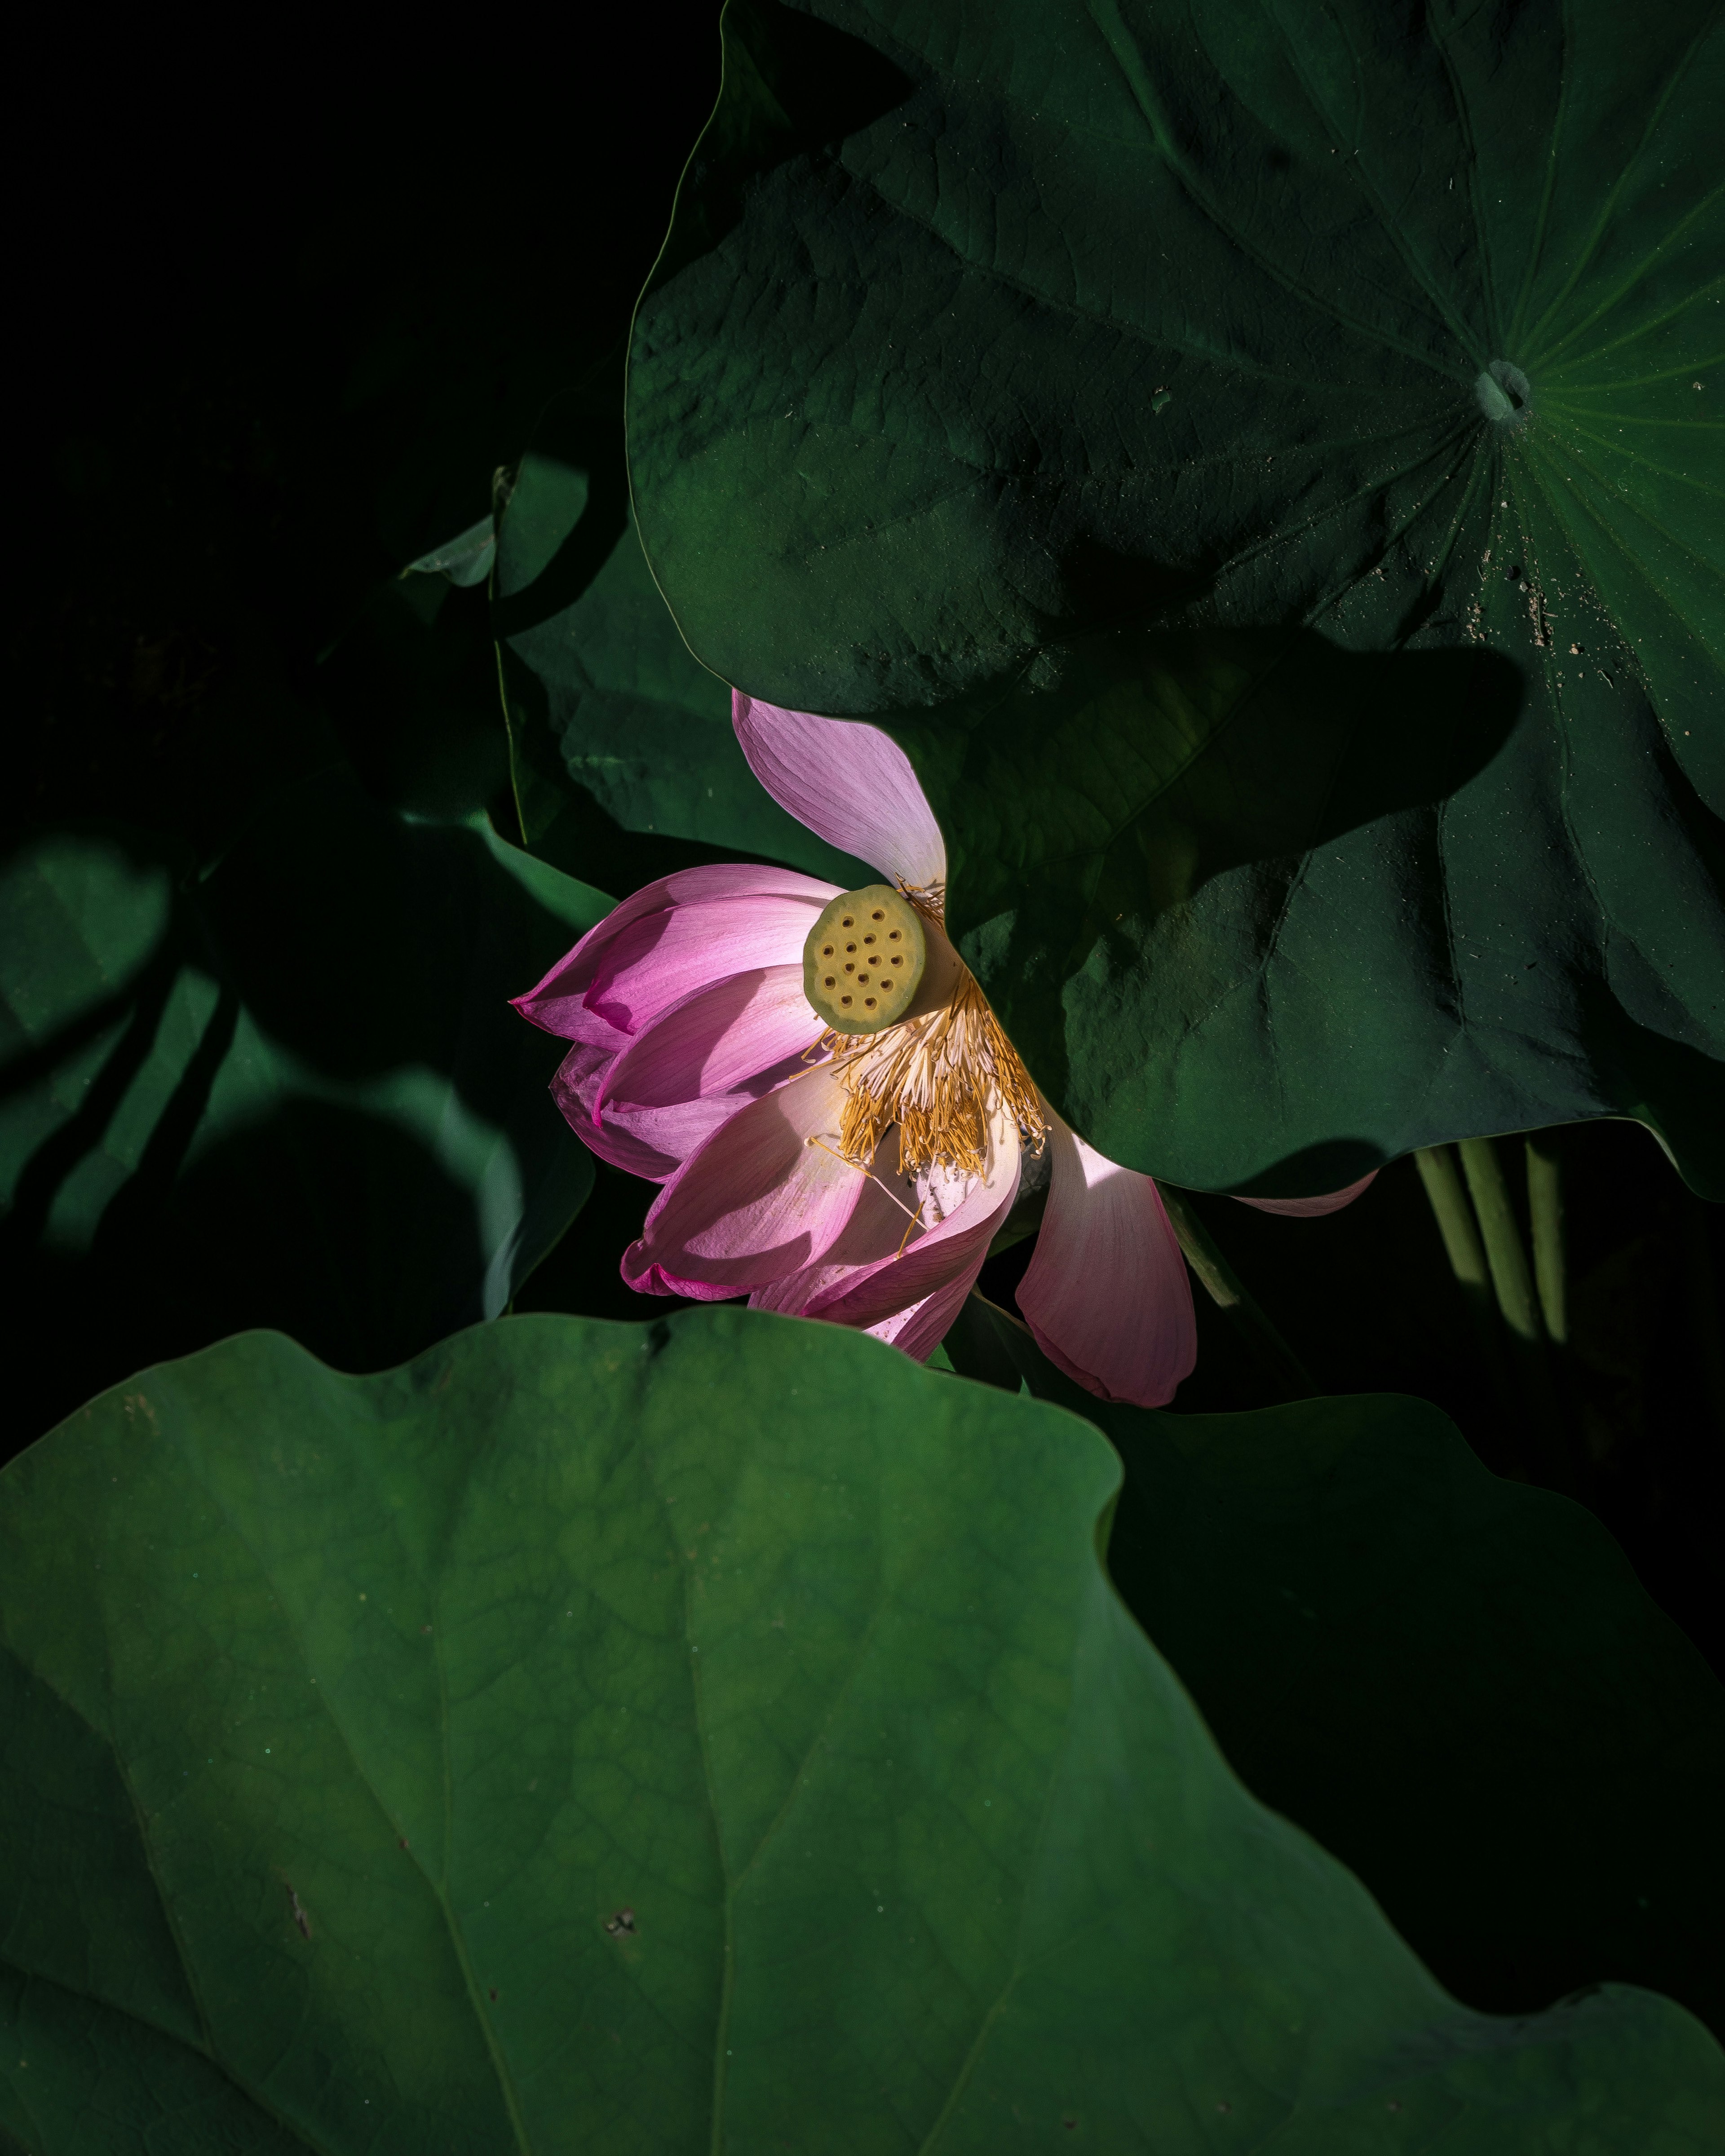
(608, 709)
(1456, 1683)
(288, 1091)
(1264, 462)
(676, 1738)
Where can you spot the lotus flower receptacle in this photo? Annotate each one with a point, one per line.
(863, 960)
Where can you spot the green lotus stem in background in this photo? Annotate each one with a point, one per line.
(1231, 1295)
(1455, 1217)
(1504, 1252)
(1466, 1254)
(1513, 1281)
(1545, 1208)
(1455, 1225)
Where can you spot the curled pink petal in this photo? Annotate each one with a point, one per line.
(869, 1278)
(1309, 1209)
(554, 1004)
(1106, 1293)
(951, 1250)
(576, 1091)
(872, 1234)
(758, 1199)
(653, 1143)
(656, 963)
(737, 1036)
(918, 1331)
(849, 782)
(656, 1281)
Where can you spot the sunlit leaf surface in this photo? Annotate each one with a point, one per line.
(1264, 461)
(715, 1736)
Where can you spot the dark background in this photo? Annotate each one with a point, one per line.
(291, 292)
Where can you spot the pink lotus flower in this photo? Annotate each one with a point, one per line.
(840, 1123)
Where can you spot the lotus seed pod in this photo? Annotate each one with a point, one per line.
(863, 960)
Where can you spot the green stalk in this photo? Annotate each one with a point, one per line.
(1504, 1253)
(1455, 1225)
(1545, 1207)
(1236, 1300)
(1512, 1280)
(1466, 1254)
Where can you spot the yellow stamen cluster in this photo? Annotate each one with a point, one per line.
(939, 1076)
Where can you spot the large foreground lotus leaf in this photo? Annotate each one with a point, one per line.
(1263, 462)
(289, 1092)
(1456, 1683)
(720, 1735)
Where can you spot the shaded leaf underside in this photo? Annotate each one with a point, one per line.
(290, 1091)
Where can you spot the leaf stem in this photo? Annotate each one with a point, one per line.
(1235, 1299)
(1513, 1281)
(1455, 1223)
(1466, 1254)
(1504, 1253)
(1545, 1208)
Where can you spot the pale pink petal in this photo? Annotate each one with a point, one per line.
(657, 962)
(873, 1231)
(654, 1144)
(570, 1019)
(740, 1036)
(1106, 1293)
(656, 1281)
(1309, 1209)
(758, 1199)
(934, 1258)
(717, 1035)
(671, 1135)
(867, 1278)
(918, 1331)
(848, 781)
(556, 1000)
